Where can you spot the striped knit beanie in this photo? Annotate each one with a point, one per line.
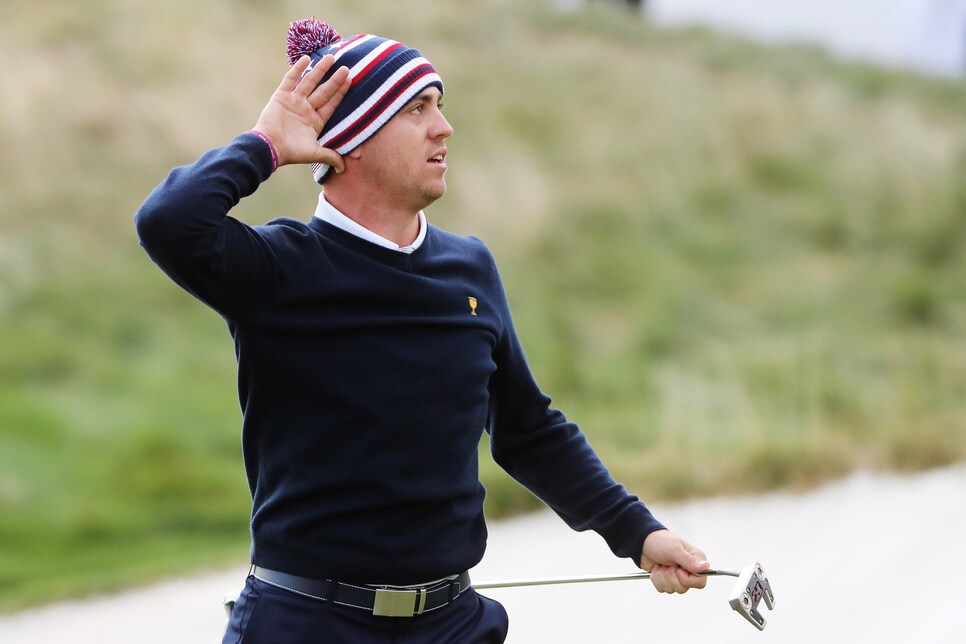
(385, 76)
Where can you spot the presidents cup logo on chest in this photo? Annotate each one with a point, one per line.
(472, 301)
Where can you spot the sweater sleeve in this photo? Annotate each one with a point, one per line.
(551, 457)
(185, 228)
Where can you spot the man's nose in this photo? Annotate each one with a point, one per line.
(443, 128)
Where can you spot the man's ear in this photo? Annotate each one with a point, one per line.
(356, 153)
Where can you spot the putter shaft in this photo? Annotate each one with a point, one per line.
(552, 581)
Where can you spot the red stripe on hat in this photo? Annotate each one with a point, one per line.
(369, 117)
(375, 62)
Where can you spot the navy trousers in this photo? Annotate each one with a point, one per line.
(265, 614)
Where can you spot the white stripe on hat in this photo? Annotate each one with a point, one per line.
(368, 58)
(341, 48)
(349, 46)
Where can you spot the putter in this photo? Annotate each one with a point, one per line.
(752, 586)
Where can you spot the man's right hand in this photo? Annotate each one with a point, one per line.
(298, 110)
(674, 563)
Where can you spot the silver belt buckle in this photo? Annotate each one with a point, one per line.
(399, 603)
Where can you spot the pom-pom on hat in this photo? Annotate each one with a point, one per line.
(385, 76)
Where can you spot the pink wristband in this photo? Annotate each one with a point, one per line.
(271, 146)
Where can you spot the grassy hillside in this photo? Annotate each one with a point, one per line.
(738, 268)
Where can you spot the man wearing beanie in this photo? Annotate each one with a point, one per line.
(374, 349)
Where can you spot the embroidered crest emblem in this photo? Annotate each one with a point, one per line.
(472, 305)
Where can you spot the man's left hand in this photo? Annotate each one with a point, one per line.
(673, 563)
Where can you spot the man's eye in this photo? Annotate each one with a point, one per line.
(417, 108)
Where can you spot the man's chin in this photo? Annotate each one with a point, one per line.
(432, 193)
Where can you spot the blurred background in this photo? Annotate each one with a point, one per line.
(733, 235)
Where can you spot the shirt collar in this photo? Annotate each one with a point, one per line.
(329, 214)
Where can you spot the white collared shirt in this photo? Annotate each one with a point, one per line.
(329, 214)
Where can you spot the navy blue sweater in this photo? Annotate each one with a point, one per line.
(366, 379)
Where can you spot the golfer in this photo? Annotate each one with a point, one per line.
(374, 349)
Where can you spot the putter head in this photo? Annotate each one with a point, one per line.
(752, 586)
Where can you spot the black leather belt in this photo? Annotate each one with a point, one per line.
(384, 601)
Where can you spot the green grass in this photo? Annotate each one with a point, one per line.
(738, 268)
